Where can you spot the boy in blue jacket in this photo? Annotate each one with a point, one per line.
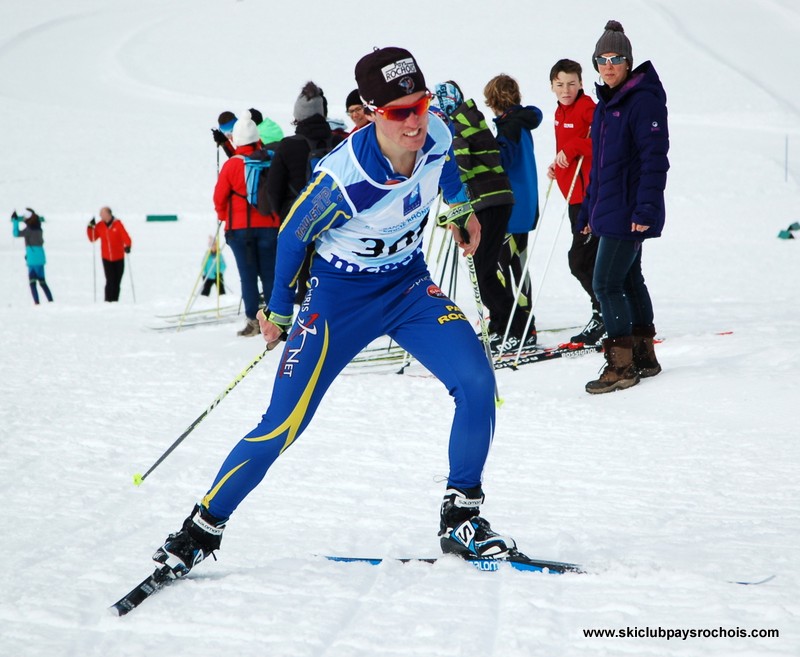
(515, 123)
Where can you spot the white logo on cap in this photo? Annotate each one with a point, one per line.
(402, 67)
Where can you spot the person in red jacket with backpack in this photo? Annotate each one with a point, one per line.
(252, 236)
(115, 243)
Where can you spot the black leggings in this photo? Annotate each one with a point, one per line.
(582, 255)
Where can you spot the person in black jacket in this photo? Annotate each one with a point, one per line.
(291, 169)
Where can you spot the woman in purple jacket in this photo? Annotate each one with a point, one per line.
(624, 204)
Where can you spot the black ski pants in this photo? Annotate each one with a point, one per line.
(113, 270)
(582, 255)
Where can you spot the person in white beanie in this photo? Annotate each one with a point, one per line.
(251, 235)
(245, 131)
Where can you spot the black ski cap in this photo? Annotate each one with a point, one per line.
(387, 74)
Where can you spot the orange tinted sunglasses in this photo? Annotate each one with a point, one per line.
(402, 112)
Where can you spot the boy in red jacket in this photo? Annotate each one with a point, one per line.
(114, 244)
(570, 170)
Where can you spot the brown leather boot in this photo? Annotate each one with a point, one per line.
(250, 329)
(644, 353)
(619, 372)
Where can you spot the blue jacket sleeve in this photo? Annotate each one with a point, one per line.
(321, 206)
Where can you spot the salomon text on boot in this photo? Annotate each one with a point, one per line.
(465, 533)
(200, 535)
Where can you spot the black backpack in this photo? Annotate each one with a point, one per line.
(317, 149)
(317, 152)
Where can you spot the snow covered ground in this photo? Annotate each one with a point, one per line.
(665, 492)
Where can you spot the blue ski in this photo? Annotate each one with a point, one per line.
(518, 563)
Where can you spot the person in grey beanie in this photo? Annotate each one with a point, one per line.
(289, 170)
(624, 204)
(292, 164)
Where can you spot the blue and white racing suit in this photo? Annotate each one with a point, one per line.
(368, 279)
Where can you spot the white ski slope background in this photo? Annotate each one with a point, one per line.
(665, 492)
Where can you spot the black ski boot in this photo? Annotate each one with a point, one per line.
(593, 332)
(465, 533)
(511, 344)
(200, 535)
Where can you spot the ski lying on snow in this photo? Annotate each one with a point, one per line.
(566, 350)
(395, 349)
(754, 582)
(508, 359)
(395, 353)
(195, 321)
(518, 563)
(223, 310)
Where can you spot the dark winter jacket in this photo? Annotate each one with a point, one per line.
(288, 173)
(230, 195)
(630, 141)
(572, 123)
(516, 153)
(478, 157)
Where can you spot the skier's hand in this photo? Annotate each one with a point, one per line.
(219, 138)
(92, 223)
(272, 333)
(469, 237)
(127, 249)
(551, 171)
(562, 160)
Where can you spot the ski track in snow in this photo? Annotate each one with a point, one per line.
(688, 32)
